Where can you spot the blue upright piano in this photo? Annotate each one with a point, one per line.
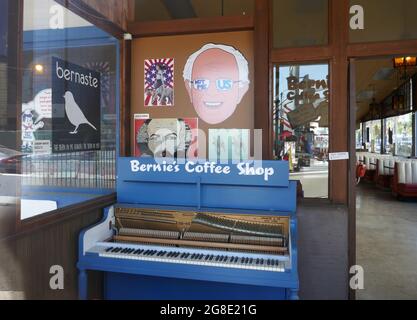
(196, 231)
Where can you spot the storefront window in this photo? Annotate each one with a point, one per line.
(301, 124)
(68, 116)
(399, 135)
(160, 10)
(386, 20)
(359, 137)
(300, 23)
(376, 136)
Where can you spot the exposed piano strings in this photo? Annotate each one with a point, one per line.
(243, 233)
(198, 244)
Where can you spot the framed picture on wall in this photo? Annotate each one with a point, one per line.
(159, 82)
(166, 138)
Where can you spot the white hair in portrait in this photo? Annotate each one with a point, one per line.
(242, 63)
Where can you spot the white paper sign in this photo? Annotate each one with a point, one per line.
(42, 147)
(42, 104)
(338, 156)
(142, 116)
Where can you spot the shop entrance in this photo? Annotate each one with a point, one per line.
(384, 104)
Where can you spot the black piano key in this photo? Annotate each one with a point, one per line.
(109, 249)
(262, 261)
(257, 261)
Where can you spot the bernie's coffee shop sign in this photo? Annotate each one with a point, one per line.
(76, 114)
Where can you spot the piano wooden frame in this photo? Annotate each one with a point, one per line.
(231, 194)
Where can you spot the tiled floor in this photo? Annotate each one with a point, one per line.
(386, 244)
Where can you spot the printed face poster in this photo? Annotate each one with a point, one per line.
(166, 138)
(216, 78)
(76, 112)
(159, 82)
(229, 145)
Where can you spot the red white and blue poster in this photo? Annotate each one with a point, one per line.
(159, 82)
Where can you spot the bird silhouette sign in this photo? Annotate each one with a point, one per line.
(76, 107)
(74, 113)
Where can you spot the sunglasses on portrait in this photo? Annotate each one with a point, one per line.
(221, 84)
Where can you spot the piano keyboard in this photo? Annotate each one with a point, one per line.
(228, 259)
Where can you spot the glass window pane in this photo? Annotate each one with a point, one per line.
(300, 23)
(399, 135)
(159, 10)
(359, 137)
(386, 20)
(301, 124)
(68, 117)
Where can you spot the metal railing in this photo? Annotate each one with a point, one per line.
(92, 170)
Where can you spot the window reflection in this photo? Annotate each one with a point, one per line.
(301, 122)
(50, 179)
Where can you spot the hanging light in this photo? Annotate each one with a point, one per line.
(404, 62)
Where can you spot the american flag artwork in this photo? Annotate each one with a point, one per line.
(159, 82)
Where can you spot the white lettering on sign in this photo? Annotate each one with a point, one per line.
(208, 167)
(245, 169)
(357, 21)
(339, 156)
(76, 77)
